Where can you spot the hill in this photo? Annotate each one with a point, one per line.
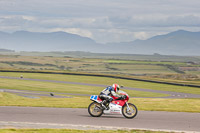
(6, 50)
(175, 43)
(55, 41)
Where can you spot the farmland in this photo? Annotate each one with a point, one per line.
(181, 71)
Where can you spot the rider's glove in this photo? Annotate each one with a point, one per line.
(123, 96)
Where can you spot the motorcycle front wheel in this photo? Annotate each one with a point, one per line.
(129, 112)
(94, 109)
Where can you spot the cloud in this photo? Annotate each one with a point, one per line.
(141, 35)
(119, 35)
(103, 21)
(78, 31)
(183, 20)
(90, 23)
(156, 21)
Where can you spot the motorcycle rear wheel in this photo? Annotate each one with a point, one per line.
(129, 113)
(94, 109)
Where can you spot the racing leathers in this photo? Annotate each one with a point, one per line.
(106, 94)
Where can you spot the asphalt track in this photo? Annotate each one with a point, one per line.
(38, 117)
(172, 94)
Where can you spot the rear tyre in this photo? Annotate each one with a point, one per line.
(95, 110)
(129, 113)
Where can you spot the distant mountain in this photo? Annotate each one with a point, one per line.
(175, 43)
(6, 50)
(55, 41)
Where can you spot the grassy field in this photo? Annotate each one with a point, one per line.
(65, 88)
(74, 131)
(79, 54)
(20, 84)
(148, 104)
(85, 65)
(180, 71)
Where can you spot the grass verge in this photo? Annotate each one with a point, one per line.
(148, 104)
(65, 88)
(105, 81)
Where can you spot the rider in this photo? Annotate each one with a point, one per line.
(106, 94)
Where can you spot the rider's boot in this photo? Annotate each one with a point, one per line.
(104, 105)
(107, 106)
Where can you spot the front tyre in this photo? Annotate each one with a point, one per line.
(130, 112)
(94, 109)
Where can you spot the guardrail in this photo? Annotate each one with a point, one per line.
(101, 75)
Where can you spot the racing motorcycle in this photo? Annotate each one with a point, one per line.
(117, 106)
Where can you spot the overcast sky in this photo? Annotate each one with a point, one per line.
(102, 20)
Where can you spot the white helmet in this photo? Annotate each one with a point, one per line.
(116, 87)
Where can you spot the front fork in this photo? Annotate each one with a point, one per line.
(128, 107)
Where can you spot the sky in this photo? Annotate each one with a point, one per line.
(104, 21)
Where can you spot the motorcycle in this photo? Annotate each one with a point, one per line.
(117, 106)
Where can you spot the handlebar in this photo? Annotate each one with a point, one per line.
(122, 97)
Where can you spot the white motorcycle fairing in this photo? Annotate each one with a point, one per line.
(113, 109)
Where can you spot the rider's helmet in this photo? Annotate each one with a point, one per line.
(116, 87)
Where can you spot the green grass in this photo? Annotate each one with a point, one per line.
(7, 99)
(105, 81)
(127, 66)
(65, 88)
(73, 131)
(144, 62)
(47, 86)
(148, 104)
(140, 69)
(172, 105)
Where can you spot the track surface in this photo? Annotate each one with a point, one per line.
(37, 117)
(172, 94)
